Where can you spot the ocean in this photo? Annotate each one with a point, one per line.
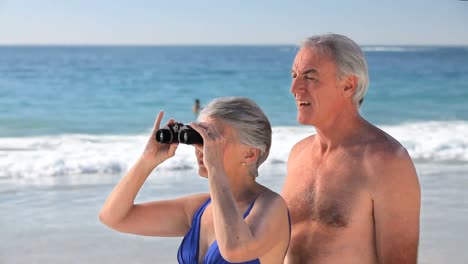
(73, 119)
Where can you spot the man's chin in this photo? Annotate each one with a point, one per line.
(303, 120)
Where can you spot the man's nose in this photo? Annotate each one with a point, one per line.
(296, 86)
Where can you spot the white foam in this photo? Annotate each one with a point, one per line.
(425, 141)
(54, 156)
(394, 49)
(435, 141)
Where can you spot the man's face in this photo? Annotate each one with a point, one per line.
(315, 87)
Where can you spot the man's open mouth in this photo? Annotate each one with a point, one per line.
(304, 103)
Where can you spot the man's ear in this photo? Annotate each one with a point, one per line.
(251, 155)
(349, 84)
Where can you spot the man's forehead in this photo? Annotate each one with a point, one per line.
(309, 60)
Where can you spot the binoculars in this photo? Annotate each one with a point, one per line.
(178, 133)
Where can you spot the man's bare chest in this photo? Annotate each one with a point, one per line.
(325, 194)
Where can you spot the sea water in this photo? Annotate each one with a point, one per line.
(74, 119)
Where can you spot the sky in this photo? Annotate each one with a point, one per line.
(218, 22)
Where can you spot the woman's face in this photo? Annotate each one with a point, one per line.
(233, 150)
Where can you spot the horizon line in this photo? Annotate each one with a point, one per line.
(205, 44)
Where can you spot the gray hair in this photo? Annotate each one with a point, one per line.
(248, 119)
(348, 57)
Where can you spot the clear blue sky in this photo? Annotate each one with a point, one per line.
(414, 22)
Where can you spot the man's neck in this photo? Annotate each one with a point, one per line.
(339, 130)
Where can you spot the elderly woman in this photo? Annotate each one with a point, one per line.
(240, 220)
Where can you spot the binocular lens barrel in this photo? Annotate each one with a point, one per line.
(165, 136)
(178, 132)
(190, 136)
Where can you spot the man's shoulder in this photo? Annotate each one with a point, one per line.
(381, 147)
(384, 158)
(302, 144)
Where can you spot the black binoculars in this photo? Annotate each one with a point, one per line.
(178, 132)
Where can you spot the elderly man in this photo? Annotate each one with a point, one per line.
(352, 189)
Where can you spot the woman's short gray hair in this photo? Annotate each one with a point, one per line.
(248, 119)
(348, 57)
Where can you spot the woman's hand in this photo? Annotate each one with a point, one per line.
(155, 153)
(214, 144)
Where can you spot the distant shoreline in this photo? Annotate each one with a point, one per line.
(58, 45)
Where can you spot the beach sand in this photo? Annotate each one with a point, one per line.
(58, 223)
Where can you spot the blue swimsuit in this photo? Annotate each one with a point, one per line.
(188, 250)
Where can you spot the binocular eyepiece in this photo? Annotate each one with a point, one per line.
(178, 132)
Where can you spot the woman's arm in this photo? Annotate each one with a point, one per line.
(241, 239)
(160, 218)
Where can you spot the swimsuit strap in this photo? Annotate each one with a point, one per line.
(247, 212)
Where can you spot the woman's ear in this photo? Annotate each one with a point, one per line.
(251, 155)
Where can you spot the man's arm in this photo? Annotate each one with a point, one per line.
(396, 198)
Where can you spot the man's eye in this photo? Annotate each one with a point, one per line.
(293, 75)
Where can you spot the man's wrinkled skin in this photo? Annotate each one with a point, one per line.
(352, 189)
